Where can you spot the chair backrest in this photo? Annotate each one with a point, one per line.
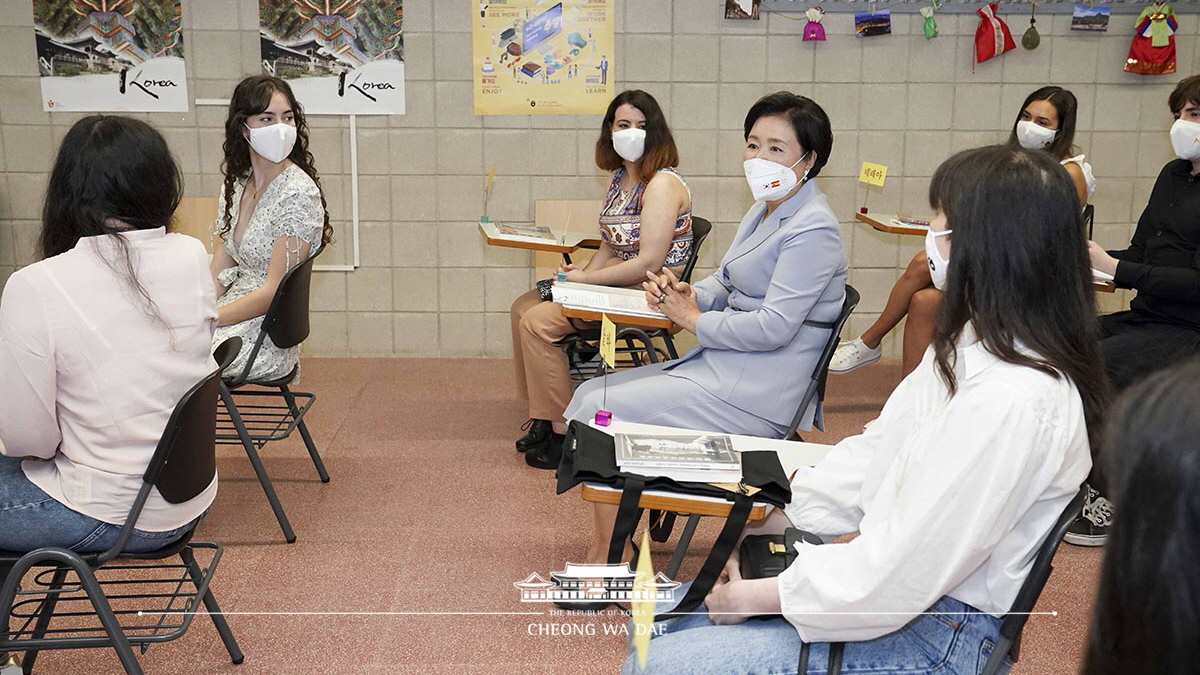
(184, 462)
(286, 321)
(816, 384)
(1010, 628)
(1089, 218)
(700, 229)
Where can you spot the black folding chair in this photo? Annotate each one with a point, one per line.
(815, 387)
(1089, 219)
(83, 601)
(1008, 648)
(582, 346)
(252, 418)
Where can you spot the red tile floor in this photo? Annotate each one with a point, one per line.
(431, 510)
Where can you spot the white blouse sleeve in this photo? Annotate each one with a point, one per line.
(28, 375)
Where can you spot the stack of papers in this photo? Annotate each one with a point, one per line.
(603, 298)
(697, 458)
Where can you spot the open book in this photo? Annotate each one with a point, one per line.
(603, 299)
(701, 458)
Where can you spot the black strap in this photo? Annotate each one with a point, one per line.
(628, 515)
(739, 513)
(661, 524)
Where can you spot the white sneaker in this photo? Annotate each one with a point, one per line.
(853, 355)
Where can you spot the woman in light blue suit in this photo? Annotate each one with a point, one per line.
(762, 319)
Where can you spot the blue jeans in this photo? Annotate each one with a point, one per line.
(956, 641)
(30, 518)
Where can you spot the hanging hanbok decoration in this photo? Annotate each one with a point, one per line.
(931, 28)
(992, 38)
(813, 30)
(1153, 48)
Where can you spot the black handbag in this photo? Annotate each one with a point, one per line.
(545, 289)
(767, 555)
(589, 455)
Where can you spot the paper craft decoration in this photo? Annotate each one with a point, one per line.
(1153, 48)
(992, 38)
(813, 30)
(931, 28)
(1086, 17)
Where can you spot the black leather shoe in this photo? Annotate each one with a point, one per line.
(537, 430)
(546, 454)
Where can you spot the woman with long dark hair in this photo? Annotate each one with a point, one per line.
(272, 216)
(1045, 122)
(1146, 618)
(98, 341)
(973, 458)
(645, 225)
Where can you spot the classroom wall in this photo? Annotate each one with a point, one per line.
(429, 287)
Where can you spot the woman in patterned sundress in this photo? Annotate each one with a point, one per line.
(645, 225)
(271, 217)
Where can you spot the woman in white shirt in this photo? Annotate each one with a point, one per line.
(98, 342)
(974, 457)
(271, 217)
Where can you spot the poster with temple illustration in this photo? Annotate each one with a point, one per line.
(542, 57)
(341, 57)
(110, 55)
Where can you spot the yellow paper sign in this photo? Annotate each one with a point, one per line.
(643, 605)
(608, 341)
(872, 174)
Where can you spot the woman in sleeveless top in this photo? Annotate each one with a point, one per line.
(1046, 122)
(645, 225)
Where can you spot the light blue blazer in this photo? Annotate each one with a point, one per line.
(756, 350)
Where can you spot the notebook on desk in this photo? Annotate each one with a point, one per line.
(604, 299)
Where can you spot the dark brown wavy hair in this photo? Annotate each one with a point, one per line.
(251, 97)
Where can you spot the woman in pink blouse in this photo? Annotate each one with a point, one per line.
(98, 342)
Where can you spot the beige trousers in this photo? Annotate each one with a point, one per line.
(543, 377)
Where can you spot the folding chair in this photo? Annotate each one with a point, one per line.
(1004, 654)
(581, 346)
(63, 606)
(815, 387)
(1089, 219)
(252, 418)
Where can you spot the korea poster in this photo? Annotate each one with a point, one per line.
(341, 57)
(110, 55)
(543, 57)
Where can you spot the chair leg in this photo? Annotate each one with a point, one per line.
(685, 540)
(670, 346)
(104, 611)
(45, 614)
(308, 441)
(214, 610)
(256, 462)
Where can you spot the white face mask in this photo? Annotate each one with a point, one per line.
(770, 181)
(1033, 136)
(938, 265)
(1185, 139)
(630, 144)
(273, 143)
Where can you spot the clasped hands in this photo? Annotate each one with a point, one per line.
(677, 299)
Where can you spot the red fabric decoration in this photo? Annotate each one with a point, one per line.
(992, 38)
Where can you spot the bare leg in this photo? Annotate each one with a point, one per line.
(918, 331)
(915, 278)
(606, 520)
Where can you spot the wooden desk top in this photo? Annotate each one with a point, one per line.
(571, 243)
(884, 223)
(617, 318)
(666, 501)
